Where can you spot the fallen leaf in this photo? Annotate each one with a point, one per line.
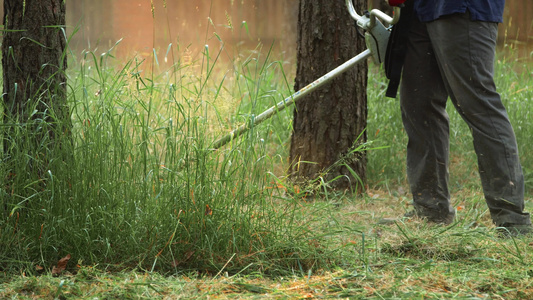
(208, 210)
(61, 265)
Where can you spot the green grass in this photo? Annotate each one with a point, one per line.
(144, 189)
(147, 209)
(405, 260)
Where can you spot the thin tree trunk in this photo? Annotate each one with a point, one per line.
(328, 122)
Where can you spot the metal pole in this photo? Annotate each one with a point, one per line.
(291, 99)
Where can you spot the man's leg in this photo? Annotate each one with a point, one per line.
(423, 103)
(465, 52)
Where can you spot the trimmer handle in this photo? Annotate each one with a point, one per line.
(370, 21)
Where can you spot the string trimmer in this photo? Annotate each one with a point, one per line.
(376, 38)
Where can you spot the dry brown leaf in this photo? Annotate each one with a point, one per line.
(61, 265)
(208, 210)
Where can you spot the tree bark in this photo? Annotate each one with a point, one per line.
(328, 122)
(33, 56)
(36, 115)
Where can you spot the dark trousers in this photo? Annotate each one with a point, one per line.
(454, 57)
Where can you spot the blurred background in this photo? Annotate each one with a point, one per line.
(146, 26)
(185, 23)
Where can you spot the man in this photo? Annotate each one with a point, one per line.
(450, 53)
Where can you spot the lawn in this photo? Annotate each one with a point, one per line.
(406, 260)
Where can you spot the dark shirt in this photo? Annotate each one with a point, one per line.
(480, 10)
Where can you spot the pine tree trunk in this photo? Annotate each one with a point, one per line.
(328, 122)
(33, 56)
(36, 116)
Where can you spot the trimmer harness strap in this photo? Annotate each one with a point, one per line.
(397, 47)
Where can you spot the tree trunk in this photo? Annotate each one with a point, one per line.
(33, 56)
(36, 115)
(328, 122)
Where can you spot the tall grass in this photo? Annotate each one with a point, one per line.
(145, 190)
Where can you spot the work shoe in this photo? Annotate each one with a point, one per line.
(514, 230)
(443, 220)
(437, 219)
